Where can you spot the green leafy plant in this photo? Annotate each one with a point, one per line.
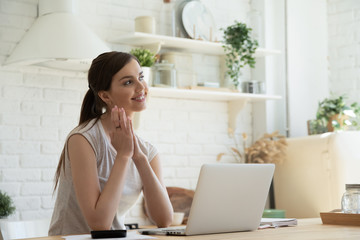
(239, 49)
(6, 205)
(335, 114)
(145, 56)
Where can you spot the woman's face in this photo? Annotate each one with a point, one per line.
(128, 89)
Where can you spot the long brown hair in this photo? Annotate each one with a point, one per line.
(101, 71)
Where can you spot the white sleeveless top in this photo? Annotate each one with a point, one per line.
(67, 217)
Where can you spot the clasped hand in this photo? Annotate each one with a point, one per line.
(123, 137)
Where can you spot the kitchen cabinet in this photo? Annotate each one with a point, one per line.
(236, 101)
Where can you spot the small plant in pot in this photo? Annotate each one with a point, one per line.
(6, 205)
(239, 50)
(335, 114)
(146, 59)
(145, 56)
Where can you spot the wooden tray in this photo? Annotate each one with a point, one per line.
(338, 218)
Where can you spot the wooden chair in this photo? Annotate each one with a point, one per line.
(23, 229)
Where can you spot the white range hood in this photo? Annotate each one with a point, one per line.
(57, 39)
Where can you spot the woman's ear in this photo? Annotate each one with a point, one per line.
(104, 95)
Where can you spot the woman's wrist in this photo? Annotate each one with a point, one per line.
(142, 159)
(122, 158)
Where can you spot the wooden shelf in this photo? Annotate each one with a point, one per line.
(182, 44)
(209, 95)
(236, 101)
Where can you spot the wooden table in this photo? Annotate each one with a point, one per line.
(307, 229)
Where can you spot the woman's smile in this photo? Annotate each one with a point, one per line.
(140, 98)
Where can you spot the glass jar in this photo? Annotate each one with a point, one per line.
(167, 18)
(165, 75)
(253, 86)
(350, 202)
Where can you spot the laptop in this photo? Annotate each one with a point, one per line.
(228, 198)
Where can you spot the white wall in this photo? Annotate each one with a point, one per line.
(38, 108)
(344, 48)
(307, 65)
(323, 56)
(271, 116)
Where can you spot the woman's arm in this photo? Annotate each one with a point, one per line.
(157, 202)
(99, 207)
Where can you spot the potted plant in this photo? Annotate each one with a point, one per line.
(239, 49)
(270, 148)
(6, 205)
(146, 59)
(334, 114)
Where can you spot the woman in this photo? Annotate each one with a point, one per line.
(104, 165)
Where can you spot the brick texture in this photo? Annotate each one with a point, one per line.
(344, 50)
(39, 107)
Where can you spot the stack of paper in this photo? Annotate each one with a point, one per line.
(277, 222)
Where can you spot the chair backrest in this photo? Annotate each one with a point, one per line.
(23, 229)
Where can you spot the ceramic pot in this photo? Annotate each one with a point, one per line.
(339, 119)
(146, 24)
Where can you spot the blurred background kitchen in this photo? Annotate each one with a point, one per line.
(313, 49)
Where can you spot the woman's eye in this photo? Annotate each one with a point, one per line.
(141, 78)
(128, 82)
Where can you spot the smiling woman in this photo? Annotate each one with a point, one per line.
(104, 164)
(128, 89)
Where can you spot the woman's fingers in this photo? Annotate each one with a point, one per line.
(118, 117)
(132, 132)
(120, 120)
(115, 116)
(138, 155)
(136, 143)
(121, 137)
(123, 118)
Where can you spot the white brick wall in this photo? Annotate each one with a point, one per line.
(39, 107)
(344, 48)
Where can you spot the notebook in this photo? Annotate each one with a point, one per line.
(228, 198)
